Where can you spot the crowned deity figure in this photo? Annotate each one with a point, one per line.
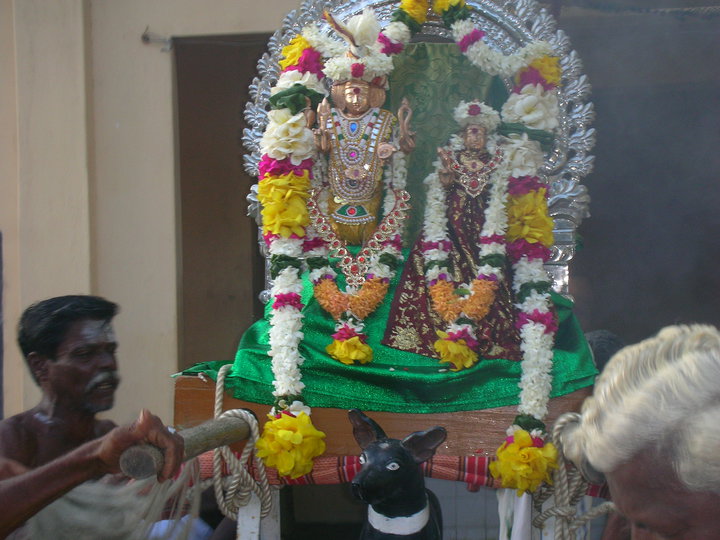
(359, 139)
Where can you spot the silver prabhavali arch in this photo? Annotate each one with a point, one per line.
(508, 25)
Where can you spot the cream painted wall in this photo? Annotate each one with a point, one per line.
(91, 203)
(47, 228)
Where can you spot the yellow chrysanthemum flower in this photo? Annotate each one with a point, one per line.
(417, 9)
(522, 466)
(290, 443)
(528, 218)
(293, 50)
(549, 68)
(456, 353)
(349, 351)
(441, 6)
(284, 209)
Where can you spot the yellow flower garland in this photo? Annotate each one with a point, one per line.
(290, 443)
(441, 6)
(456, 353)
(293, 50)
(528, 218)
(522, 466)
(284, 210)
(350, 351)
(417, 9)
(549, 68)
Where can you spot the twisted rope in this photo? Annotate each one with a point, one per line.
(568, 487)
(241, 484)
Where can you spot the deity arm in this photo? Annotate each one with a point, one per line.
(445, 173)
(407, 136)
(322, 134)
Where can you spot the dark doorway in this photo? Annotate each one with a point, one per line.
(221, 271)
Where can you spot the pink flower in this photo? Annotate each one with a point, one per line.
(287, 299)
(492, 239)
(279, 167)
(357, 70)
(388, 45)
(521, 247)
(312, 243)
(463, 334)
(524, 184)
(269, 237)
(546, 318)
(346, 332)
(310, 62)
(531, 75)
(538, 442)
(474, 109)
(468, 39)
(395, 242)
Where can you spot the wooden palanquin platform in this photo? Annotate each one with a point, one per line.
(469, 432)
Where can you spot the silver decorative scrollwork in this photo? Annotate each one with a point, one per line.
(508, 25)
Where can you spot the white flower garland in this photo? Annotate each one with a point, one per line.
(536, 342)
(495, 62)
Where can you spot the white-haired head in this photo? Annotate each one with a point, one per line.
(661, 395)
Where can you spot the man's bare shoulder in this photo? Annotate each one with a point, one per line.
(18, 439)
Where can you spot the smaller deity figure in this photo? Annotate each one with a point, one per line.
(458, 283)
(359, 138)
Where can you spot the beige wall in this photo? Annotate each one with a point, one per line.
(88, 170)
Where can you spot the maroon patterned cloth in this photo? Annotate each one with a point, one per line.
(474, 471)
(413, 323)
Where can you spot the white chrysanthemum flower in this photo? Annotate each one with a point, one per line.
(492, 249)
(534, 302)
(377, 65)
(397, 31)
(325, 45)
(533, 107)
(364, 27)
(529, 272)
(435, 271)
(292, 247)
(290, 78)
(523, 156)
(453, 327)
(287, 136)
(297, 407)
(316, 274)
(488, 270)
(462, 28)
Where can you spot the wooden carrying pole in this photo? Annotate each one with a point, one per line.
(145, 460)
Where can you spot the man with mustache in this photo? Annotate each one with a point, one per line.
(69, 345)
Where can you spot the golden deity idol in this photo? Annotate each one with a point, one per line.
(359, 138)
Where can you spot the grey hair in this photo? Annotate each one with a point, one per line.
(661, 394)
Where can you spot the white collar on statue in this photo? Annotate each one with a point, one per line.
(404, 525)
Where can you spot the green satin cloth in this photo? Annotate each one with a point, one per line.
(434, 77)
(396, 381)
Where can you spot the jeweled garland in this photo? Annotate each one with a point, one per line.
(349, 309)
(285, 172)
